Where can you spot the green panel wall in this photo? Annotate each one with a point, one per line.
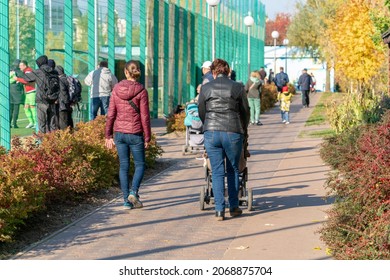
(171, 51)
(68, 34)
(39, 28)
(5, 129)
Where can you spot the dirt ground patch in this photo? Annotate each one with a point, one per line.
(58, 216)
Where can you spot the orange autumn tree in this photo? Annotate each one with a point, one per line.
(351, 38)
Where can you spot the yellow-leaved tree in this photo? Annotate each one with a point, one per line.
(351, 38)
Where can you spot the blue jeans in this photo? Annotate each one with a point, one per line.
(221, 145)
(126, 143)
(96, 103)
(285, 116)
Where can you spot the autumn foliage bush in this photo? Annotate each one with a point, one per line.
(175, 122)
(269, 96)
(359, 222)
(56, 167)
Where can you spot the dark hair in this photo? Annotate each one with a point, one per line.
(51, 63)
(132, 67)
(103, 63)
(24, 62)
(220, 66)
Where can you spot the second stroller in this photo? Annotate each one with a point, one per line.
(194, 129)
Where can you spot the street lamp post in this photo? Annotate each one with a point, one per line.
(275, 35)
(285, 42)
(249, 21)
(213, 4)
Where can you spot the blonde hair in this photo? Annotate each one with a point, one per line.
(255, 74)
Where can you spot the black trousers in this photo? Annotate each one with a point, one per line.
(305, 98)
(14, 113)
(47, 119)
(65, 119)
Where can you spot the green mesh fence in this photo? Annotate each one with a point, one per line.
(170, 38)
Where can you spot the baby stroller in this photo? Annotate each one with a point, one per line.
(194, 129)
(245, 195)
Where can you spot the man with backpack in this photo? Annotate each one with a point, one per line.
(64, 104)
(47, 93)
(281, 79)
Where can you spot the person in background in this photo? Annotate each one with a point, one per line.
(46, 111)
(102, 82)
(29, 89)
(224, 111)
(63, 107)
(207, 76)
(304, 84)
(263, 74)
(285, 100)
(270, 76)
(128, 128)
(313, 85)
(281, 79)
(253, 90)
(16, 93)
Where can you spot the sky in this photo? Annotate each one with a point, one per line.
(273, 7)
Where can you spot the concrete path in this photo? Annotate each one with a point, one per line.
(287, 178)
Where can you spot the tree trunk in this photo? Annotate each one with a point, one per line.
(327, 79)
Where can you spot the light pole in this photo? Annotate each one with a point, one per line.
(249, 21)
(17, 30)
(285, 42)
(213, 4)
(275, 35)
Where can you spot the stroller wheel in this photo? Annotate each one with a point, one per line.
(202, 198)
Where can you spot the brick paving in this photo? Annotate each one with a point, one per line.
(285, 173)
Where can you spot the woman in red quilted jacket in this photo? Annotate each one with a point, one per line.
(128, 128)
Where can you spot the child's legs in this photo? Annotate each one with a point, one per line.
(287, 117)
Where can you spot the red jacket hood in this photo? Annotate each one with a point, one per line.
(126, 89)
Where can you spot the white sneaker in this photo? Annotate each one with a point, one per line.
(283, 121)
(287, 122)
(30, 125)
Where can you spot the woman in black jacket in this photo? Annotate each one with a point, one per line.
(16, 93)
(224, 111)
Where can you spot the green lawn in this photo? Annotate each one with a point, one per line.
(317, 134)
(22, 123)
(319, 117)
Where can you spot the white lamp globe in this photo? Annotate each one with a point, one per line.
(285, 42)
(275, 34)
(213, 2)
(249, 21)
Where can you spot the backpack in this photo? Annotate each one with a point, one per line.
(51, 90)
(75, 89)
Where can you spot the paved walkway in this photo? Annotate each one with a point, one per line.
(287, 178)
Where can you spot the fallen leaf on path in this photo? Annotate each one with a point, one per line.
(328, 251)
(242, 248)
(317, 248)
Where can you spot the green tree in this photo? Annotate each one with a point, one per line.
(307, 30)
(26, 33)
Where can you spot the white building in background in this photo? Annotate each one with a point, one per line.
(294, 64)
